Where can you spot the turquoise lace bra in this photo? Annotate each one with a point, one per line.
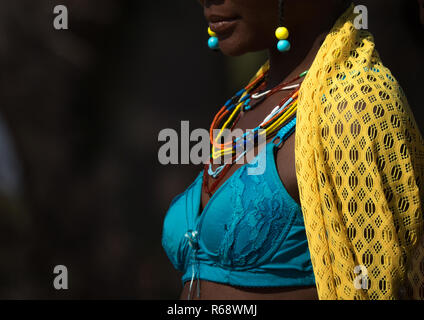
(250, 233)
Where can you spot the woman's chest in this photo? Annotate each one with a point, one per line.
(284, 159)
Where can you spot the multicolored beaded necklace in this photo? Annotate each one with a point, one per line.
(243, 101)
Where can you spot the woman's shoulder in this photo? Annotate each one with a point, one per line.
(349, 82)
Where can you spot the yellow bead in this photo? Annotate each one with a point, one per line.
(282, 33)
(211, 33)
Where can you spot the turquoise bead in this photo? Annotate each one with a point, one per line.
(283, 46)
(213, 43)
(304, 73)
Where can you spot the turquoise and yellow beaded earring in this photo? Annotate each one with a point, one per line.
(282, 33)
(213, 42)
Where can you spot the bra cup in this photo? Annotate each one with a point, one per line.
(172, 233)
(247, 223)
(175, 226)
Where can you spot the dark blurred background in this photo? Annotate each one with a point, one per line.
(80, 114)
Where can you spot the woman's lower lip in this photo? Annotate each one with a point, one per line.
(222, 26)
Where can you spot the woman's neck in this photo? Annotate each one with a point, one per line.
(285, 66)
(306, 40)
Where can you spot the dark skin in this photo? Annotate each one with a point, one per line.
(253, 30)
(421, 10)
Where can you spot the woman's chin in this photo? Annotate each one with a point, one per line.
(231, 48)
(232, 52)
(234, 46)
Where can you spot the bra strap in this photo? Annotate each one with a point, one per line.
(284, 133)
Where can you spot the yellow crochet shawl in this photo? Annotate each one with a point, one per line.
(360, 168)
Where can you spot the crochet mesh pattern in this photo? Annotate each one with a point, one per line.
(360, 168)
